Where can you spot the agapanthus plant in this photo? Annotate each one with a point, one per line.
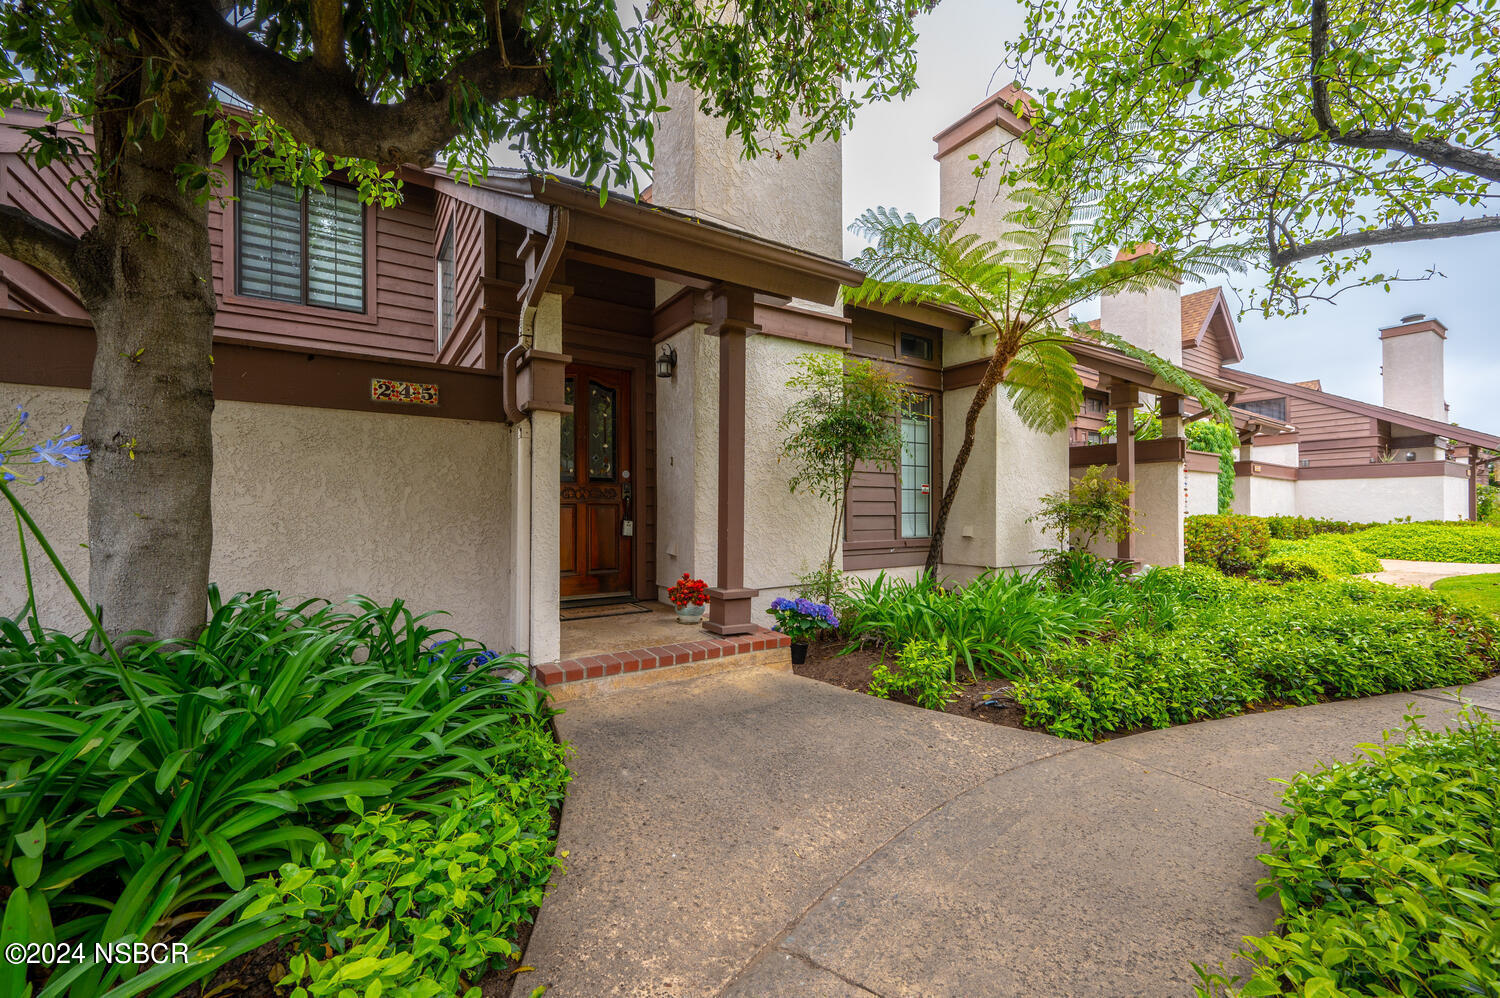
(802, 619)
(15, 455)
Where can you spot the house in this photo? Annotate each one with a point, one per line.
(508, 400)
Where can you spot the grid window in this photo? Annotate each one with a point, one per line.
(1274, 408)
(916, 468)
(306, 248)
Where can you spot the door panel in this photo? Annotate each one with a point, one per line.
(597, 552)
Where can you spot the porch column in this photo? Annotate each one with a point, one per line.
(545, 538)
(1474, 467)
(1123, 399)
(729, 601)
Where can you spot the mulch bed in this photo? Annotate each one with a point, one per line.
(986, 700)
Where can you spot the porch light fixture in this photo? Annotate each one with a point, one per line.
(666, 363)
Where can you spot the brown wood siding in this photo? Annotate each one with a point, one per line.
(1207, 357)
(48, 195)
(1327, 436)
(471, 254)
(872, 529)
(400, 314)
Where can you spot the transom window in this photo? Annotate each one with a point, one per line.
(1274, 408)
(307, 248)
(915, 346)
(916, 467)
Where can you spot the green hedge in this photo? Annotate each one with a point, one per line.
(1388, 874)
(1296, 528)
(1456, 541)
(1231, 644)
(1326, 556)
(1228, 542)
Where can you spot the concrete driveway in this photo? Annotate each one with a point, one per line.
(757, 833)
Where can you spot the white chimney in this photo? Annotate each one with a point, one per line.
(1411, 367)
(798, 201)
(991, 131)
(1152, 320)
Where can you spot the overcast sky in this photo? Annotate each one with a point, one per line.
(888, 161)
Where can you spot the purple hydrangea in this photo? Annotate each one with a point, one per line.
(801, 619)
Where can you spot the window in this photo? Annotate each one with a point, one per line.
(1274, 408)
(1092, 405)
(445, 287)
(307, 248)
(916, 468)
(1095, 437)
(916, 347)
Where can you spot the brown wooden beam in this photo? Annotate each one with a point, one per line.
(1124, 398)
(729, 601)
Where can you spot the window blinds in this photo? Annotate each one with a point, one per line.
(309, 250)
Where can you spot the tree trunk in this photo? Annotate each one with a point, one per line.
(148, 287)
(992, 375)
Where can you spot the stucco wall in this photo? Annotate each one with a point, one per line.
(1151, 320)
(1377, 499)
(1258, 496)
(687, 462)
(1202, 493)
(957, 185)
(796, 200)
(1412, 374)
(786, 535)
(1159, 489)
(317, 502)
(1286, 455)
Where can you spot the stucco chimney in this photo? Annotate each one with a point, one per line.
(991, 131)
(794, 200)
(1150, 319)
(1411, 366)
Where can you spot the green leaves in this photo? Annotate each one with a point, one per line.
(1386, 873)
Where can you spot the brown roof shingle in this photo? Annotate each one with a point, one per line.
(1195, 311)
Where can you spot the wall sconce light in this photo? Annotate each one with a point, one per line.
(666, 362)
(1411, 455)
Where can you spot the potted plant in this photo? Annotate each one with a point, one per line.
(801, 620)
(689, 596)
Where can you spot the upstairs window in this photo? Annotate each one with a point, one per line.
(915, 346)
(445, 286)
(307, 248)
(1274, 408)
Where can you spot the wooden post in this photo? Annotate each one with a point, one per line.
(1123, 399)
(729, 601)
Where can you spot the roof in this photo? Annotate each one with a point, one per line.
(618, 226)
(1435, 427)
(1198, 312)
(1316, 384)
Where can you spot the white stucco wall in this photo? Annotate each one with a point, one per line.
(1379, 499)
(957, 185)
(316, 502)
(1202, 492)
(1455, 498)
(786, 534)
(687, 462)
(1150, 319)
(1286, 455)
(796, 200)
(1258, 496)
(1159, 491)
(1411, 367)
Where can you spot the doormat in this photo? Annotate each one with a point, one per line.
(608, 610)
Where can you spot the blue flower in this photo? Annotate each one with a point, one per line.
(61, 451)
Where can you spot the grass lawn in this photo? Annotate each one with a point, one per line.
(1478, 590)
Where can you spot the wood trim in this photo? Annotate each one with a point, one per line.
(1201, 460)
(884, 556)
(57, 352)
(1258, 469)
(729, 601)
(1172, 450)
(803, 325)
(1396, 469)
(965, 375)
(678, 312)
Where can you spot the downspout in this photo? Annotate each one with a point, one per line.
(538, 278)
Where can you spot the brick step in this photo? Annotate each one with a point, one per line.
(595, 674)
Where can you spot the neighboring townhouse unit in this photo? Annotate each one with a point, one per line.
(506, 399)
(1308, 452)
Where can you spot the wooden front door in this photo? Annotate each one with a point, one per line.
(597, 490)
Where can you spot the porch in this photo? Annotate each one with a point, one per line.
(628, 648)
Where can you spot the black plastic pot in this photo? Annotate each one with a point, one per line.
(799, 653)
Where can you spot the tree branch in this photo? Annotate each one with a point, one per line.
(327, 22)
(1380, 237)
(39, 244)
(325, 108)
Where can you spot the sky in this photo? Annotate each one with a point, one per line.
(888, 161)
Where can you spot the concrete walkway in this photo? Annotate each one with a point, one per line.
(1425, 573)
(761, 834)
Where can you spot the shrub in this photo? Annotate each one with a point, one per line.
(924, 671)
(1231, 543)
(1226, 644)
(161, 786)
(1385, 870)
(1296, 528)
(802, 620)
(423, 905)
(998, 623)
(1325, 556)
(1457, 541)
(1093, 506)
(1217, 438)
